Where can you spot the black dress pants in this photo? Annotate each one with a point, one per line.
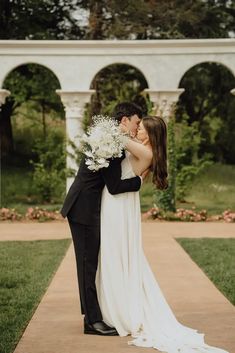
(86, 241)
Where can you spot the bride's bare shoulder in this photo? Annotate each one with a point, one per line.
(147, 151)
(140, 150)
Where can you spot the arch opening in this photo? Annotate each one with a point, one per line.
(32, 135)
(25, 64)
(116, 83)
(208, 105)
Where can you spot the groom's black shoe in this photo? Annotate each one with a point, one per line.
(99, 328)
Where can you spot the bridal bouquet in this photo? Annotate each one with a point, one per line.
(103, 141)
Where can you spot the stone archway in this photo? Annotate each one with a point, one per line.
(75, 63)
(117, 83)
(208, 103)
(29, 83)
(31, 120)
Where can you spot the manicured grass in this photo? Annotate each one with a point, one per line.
(216, 258)
(214, 189)
(27, 268)
(16, 186)
(17, 190)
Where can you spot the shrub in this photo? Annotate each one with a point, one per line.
(188, 163)
(50, 168)
(165, 199)
(186, 176)
(183, 142)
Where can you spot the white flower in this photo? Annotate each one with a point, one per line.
(103, 141)
(88, 153)
(89, 161)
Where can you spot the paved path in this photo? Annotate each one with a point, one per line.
(56, 326)
(34, 230)
(59, 230)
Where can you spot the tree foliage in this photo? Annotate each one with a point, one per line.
(158, 19)
(33, 83)
(142, 19)
(38, 19)
(114, 84)
(207, 101)
(49, 170)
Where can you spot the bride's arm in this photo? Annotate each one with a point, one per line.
(138, 150)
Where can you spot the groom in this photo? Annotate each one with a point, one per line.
(82, 208)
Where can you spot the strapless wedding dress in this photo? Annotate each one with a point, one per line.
(129, 295)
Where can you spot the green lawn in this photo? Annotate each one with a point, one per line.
(216, 258)
(213, 189)
(17, 190)
(16, 186)
(27, 268)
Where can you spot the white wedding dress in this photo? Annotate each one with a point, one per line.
(129, 295)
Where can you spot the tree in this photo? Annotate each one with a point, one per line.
(43, 19)
(29, 19)
(158, 19)
(208, 101)
(117, 83)
(25, 85)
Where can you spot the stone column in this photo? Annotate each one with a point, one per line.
(74, 105)
(3, 94)
(164, 101)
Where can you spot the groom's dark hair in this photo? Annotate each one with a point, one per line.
(126, 109)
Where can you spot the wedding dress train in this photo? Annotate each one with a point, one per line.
(129, 295)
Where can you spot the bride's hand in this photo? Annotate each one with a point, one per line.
(125, 130)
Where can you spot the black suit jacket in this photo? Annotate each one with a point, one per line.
(82, 203)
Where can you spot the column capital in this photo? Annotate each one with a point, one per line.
(164, 100)
(74, 105)
(3, 94)
(74, 101)
(233, 91)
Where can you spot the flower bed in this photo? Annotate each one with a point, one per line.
(190, 215)
(40, 214)
(32, 214)
(9, 214)
(181, 214)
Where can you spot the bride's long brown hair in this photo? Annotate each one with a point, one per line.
(157, 132)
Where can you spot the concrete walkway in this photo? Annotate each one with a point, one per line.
(60, 230)
(56, 326)
(34, 230)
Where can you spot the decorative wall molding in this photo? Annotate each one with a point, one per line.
(4, 93)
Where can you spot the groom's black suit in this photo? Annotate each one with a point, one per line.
(82, 208)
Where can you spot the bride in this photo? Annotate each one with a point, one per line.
(129, 295)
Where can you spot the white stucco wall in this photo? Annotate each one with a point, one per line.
(75, 63)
